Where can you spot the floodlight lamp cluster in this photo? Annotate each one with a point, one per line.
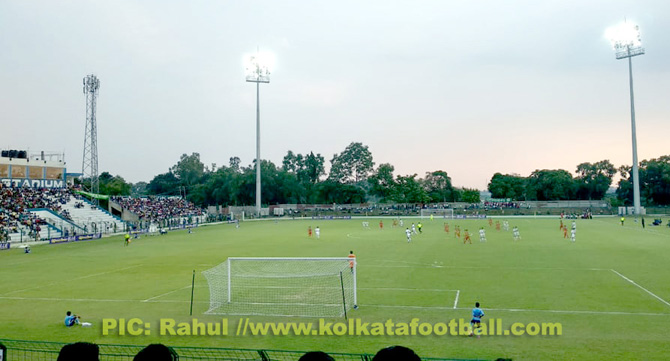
(625, 39)
(258, 67)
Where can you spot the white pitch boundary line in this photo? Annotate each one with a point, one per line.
(72, 279)
(458, 293)
(642, 288)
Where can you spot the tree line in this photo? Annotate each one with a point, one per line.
(353, 178)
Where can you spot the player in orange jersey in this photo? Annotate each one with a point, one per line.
(467, 237)
(352, 256)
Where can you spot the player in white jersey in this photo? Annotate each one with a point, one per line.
(574, 225)
(482, 235)
(414, 229)
(409, 235)
(366, 224)
(506, 226)
(317, 232)
(402, 223)
(573, 234)
(515, 233)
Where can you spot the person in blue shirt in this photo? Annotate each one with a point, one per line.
(476, 321)
(70, 319)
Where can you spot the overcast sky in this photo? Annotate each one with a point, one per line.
(469, 87)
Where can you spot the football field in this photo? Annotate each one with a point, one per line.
(609, 290)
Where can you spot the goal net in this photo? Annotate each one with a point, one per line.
(272, 286)
(437, 213)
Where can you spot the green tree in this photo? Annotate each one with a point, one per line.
(624, 191)
(551, 185)
(234, 163)
(314, 167)
(164, 184)
(353, 165)
(113, 185)
(510, 186)
(408, 189)
(655, 180)
(382, 182)
(290, 162)
(438, 186)
(189, 170)
(330, 191)
(594, 179)
(470, 195)
(139, 189)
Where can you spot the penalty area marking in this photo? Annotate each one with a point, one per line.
(166, 293)
(426, 265)
(576, 312)
(72, 279)
(642, 288)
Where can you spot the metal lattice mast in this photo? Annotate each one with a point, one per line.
(89, 166)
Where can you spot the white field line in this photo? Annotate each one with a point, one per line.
(576, 312)
(492, 267)
(440, 308)
(72, 279)
(458, 293)
(52, 299)
(642, 288)
(166, 293)
(288, 287)
(350, 236)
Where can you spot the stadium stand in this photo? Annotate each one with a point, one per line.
(159, 208)
(51, 213)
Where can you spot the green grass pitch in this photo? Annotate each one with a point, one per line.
(609, 290)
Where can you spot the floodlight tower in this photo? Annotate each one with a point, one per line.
(257, 68)
(627, 43)
(89, 166)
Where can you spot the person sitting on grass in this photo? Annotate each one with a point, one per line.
(70, 319)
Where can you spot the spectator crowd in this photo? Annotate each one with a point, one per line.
(158, 208)
(15, 203)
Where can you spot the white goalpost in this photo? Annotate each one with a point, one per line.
(447, 213)
(283, 286)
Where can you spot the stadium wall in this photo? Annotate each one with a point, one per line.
(32, 172)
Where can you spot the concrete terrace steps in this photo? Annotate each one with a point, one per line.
(87, 215)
